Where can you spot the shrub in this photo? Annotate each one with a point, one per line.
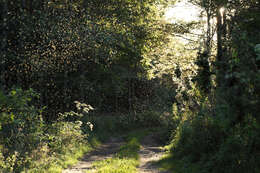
(21, 122)
(27, 144)
(204, 142)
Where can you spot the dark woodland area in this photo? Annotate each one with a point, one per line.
(73, 73)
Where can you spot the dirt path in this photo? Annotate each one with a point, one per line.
(150, 153)
(106, 150)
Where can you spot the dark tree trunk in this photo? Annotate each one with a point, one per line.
(3, 42)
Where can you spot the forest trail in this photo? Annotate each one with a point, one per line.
(149, 153)
(105, 151)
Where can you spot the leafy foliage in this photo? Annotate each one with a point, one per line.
(28, 143)
(77, 50)
(220, 134)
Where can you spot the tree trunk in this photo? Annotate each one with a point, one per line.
(220, 58)
(3, 42)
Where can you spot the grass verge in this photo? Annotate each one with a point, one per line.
(171, 164)
(59, 161)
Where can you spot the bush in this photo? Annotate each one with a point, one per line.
(28, 144)
(21, 126)
(204, 142)
(21, 122)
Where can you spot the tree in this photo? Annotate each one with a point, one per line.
(73, 50)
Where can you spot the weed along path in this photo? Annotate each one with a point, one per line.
(105, 151)
(137, 152)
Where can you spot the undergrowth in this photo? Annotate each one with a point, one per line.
(30, 145)
(211, 144)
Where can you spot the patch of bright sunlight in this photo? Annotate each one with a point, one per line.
(182, 11)
(222, 10)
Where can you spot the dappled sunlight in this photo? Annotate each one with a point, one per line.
(140, 74)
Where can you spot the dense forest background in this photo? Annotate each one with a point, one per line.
(67, 66)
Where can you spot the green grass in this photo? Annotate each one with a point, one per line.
(127, 159)
(169, 163)
(60, 161)
(71, 158)
(57, 162)
(117, 165)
